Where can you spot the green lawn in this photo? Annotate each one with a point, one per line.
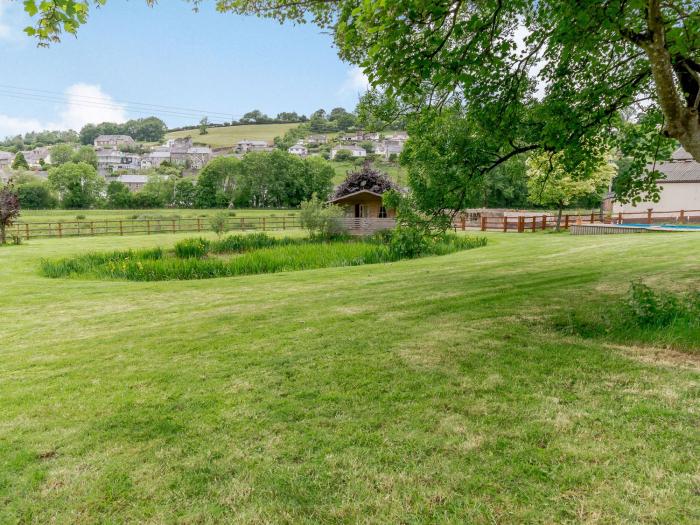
(432, 390)
(228, 136)
(33, 216)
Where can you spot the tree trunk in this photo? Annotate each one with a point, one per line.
(682, 119)
(561, 209)
(3, 240)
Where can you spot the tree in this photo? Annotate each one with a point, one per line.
(85, 154)
(203, 125)
(118, 195)
(184, 193)
(217, 182)
(550, 183)
(342, 155)
(319, 219)
(20, 162)
(35, 195)
(9, 209)
(77, 184)
(61, 153)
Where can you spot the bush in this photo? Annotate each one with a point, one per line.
(320, 220)
(658, 309)
(218, 223)
(80, 217)
(191, 248)
(342, 155)
(407, 243)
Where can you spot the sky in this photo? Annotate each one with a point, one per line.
(188, 64)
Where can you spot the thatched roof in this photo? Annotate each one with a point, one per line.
(365, 179)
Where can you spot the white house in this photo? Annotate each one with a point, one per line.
(112, 160)
(155, 159)
(356, 151)
(680, 187)
(388, 148)
(244, 146)
(317, 139)
(299, 149)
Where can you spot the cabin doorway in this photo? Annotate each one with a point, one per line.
(361, 211)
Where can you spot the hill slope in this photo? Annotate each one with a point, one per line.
(230, 135)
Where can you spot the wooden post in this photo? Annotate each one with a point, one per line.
(521, 224)
(92, 228)
(544, 221)
(681, 218)
(534, 223)
(464, 223)
(649, 210)
(26, 230)
(620, 220)
(242, 223)
(148, 226)
(121, 227)
(284, 222)
(592, 217)
(483, 223)
(173, 221)
(199, 224)
(60, 229)
(263, 221)
(566, 221)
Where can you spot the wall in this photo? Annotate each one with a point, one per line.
(674, 197)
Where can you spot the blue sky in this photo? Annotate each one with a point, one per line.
(170, 56)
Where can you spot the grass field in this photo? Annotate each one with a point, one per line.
(433, 390)
(33, 216)
(228, 136)
(395, 172)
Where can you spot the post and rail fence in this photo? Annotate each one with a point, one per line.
(522, 223)
(34, 230)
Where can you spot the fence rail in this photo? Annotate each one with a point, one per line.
(33, 230)
(521, 223)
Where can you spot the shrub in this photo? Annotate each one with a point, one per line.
(661, 309)
(191, 248)
(218, 224)
(407, 243)
(80, 217)
(321, 220)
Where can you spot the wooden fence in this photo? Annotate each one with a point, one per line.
(530, 223)
(33, 230)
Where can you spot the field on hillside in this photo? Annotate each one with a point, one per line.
(228, 136)
(434, 390)
(395, 172)
(44, 216)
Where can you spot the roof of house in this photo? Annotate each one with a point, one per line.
(199, 149)
(253, 142)
(347, 196)
(159, 154)
(126, 138)
(5, 155)
(134, 179)
(349, 148)
(681, 168)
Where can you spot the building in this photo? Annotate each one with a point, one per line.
(244, 146)
(113, 141)
(194, 157)
(317, 139)
(155, 159)
(133, 181)
(299, 149)
(400, 136)
(388, 148)
(6, 159)
(679, 188)
(360, 195)
(111, 161)
(37, 156)
(355, 151)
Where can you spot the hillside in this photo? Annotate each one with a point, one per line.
(230, 135)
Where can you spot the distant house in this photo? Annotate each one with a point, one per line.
(401, 136)
(317, 139)
(355, 151)
(299, 149)
(194, 157)
(388, 148)
(680, 187)
(35, 156)
(113, 141)
(133, 181)
(6, 159)
(154, 159)
(244, 146)
(111, 160)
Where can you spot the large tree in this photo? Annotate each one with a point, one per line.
(77, 184)
(9, 209)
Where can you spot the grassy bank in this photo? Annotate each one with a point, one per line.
(229, 136)
(435, 390)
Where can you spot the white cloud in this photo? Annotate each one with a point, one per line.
(355, 82)
(88, 103)
(85, 103)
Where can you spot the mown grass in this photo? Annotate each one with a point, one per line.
(260, 254)
(432, 390)
(44, 216)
